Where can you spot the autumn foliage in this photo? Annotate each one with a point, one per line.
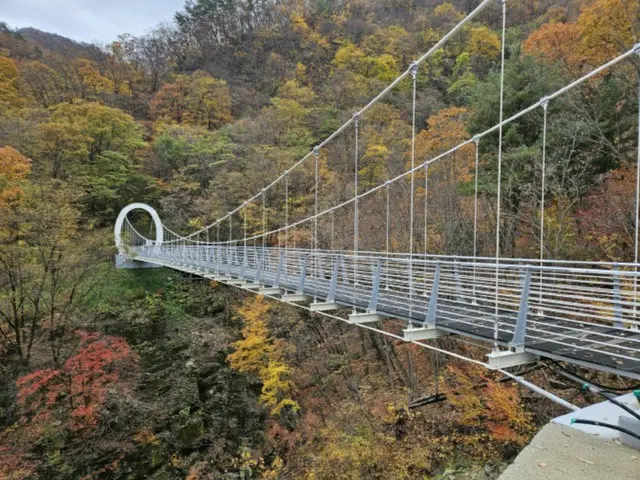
(258, 353)
(486, 411)
(75, 392)
(14, 167)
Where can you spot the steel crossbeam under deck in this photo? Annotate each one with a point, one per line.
(574, 314)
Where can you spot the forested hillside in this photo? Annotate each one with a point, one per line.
(151, 374)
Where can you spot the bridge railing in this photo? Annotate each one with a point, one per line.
(515, 300)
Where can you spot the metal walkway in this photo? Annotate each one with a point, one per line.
(574, 313)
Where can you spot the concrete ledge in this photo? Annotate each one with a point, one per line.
(324, 306)
(509, 358)
(296, 297)
(423, 333)
(607, 412)
(251, 286)
(559, 452)
(356, 318)
(237, 282)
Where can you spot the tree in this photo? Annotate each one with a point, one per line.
(77, 390)
(44, 276)
(14, 167)
(256, 353)
(78, 133)
(42, 83)
(197, 99)
(483, 46)
(9, 80)
(490, 415)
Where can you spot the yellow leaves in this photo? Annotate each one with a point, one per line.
(92, 80)
(275, 382)
(483, 42)
(350, 57)
(607, 28)
(252, 352)
(293, 91)
(9, 76)
(255, 353)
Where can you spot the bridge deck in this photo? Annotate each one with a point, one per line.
(600, 346)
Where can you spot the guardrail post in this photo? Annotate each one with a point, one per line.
(373, 303)
(303, 273)
(331, 296)
(259, 265)
(279, 271)
(456, 277)
(345, 279)
(433, 299)
(617, 305)
(520, 331)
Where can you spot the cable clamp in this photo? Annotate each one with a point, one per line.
(476, 139)
(544, 101)
(413, 69)
(316, 150)
(387, 183)
(636, 48)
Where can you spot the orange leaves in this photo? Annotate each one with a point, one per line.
(555, 42)
(485, 407)
(445, 130)
(79, 387)
(604, 29)
(198, 99)
(14, 167)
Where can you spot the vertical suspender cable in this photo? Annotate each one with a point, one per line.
(426, 207)
(264, 220)
(355, 211)
(388, 184)
(476, 141)
(316, 152)
(637, 230)
(332, 222)
(543, 188)
(286, 222)
(414, 74)
(426, 220)
(264, 227)
(499, 193)
(244, 254)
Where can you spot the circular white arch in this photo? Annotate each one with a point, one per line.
(117, 229)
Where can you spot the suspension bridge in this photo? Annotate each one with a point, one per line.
(522, 309)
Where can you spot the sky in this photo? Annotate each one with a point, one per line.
(89, 21)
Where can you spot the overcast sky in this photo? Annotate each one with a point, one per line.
(89, 20)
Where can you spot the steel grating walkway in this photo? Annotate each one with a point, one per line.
(575, 314)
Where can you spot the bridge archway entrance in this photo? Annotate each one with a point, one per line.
(117, 230)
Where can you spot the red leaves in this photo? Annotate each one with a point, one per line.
(79, 388)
